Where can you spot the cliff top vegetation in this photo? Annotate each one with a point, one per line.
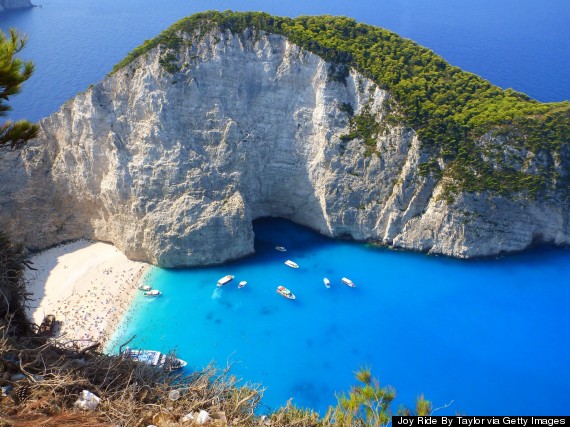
(450, 109)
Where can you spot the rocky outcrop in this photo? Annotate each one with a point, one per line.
(172, 157)
(14, 4)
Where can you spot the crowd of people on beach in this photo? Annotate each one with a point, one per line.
(91, 313)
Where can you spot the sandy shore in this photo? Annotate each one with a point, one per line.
(88, 286)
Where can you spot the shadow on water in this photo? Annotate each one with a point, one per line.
(301, 240)
(295, 238)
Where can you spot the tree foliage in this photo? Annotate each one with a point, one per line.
(369, 404)
(449, 109)
(13, 292)
(13, 72)
(13, 259)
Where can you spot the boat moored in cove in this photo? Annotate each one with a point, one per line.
(291, 264)
(153, 293)
(225, 280)
(145, 288)
(280, 248)
(155, 358)
(242, 284)
(327, 282)
(285, 292)
(348, 282)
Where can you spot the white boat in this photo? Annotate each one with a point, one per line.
(327, 282)
(280, 249)
(145, 288)
(155, 358)
(291, 264)
(153, 293)
(285, 292)
(348, 282)
(242, 284)
(225, 280)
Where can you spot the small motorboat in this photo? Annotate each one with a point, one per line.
(280, 248)
(225, 280)
(348, 282)
(152, 293)
(285, 292)
(242, 284)
(145, 288)
(291, 264)
(327, 283)
(168, 362)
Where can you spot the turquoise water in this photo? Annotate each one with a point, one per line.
(491, 335)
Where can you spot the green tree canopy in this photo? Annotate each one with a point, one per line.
(13, 72)
(367, 404)
(13, 135)
(450, 109)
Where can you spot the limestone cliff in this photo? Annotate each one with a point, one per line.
(173, 156)
(14, 4)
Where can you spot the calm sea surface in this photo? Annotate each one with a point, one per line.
(521, 44)
(490, 335)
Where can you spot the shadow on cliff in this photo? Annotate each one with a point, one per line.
(45, 262)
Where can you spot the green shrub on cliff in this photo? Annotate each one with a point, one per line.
(13, 259)
(13, 293)
(449, 109)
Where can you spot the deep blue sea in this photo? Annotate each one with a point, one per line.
(490, 335)
(521, 44)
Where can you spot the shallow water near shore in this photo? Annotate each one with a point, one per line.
(490, 335)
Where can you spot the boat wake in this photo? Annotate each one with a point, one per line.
(217, 294)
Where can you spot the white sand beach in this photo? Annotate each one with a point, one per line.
(88, 286)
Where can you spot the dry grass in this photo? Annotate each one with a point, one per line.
(54, 372)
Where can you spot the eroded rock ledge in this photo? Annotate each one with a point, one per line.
(172, 159)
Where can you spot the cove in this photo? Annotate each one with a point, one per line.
(489, 335)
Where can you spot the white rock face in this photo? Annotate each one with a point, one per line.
(173, 167)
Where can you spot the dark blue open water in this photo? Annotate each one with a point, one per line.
(521, 44)
(492, 335)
